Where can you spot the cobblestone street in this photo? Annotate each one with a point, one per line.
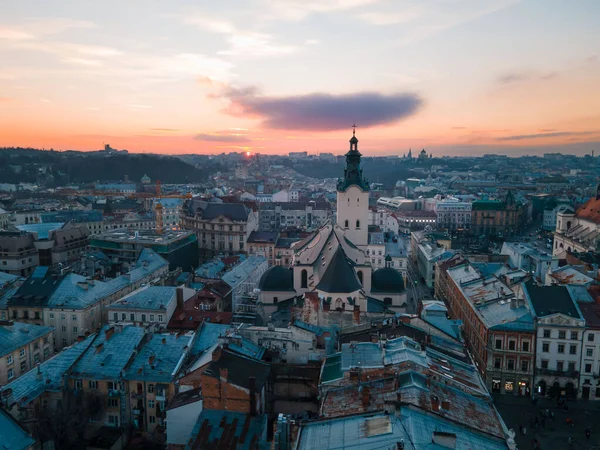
(518, 411)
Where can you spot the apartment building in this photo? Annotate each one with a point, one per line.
(499, 217)
(18, 254)
(307, 216)
(560, 327)
(150, 305)
(262, 243)
(219, 227)
(576, 231)
(498, 328)
(22, 347)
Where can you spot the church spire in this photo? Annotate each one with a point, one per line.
(353, 172)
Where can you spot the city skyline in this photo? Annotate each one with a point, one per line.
(455, 77)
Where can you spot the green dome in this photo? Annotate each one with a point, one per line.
(277, 278)
(387, 280)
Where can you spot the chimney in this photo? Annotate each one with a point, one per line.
(405, 319)
(179, 294)
(216, 354)
(151, 359)
(399, 396)
(38, 376)
(326, 306)
(109, 332)
(224, 374)
(164, 340)
(366, 396)
(356, 314)
(99, 347)
(446, 405)
(435, 403)
(252, 388)
(513, 303)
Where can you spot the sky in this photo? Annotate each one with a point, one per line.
(456, 77)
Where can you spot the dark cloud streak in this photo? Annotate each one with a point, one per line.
(521, 137)
(323, 112)
(220, 138)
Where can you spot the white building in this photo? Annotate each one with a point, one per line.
(578, 231)
(560, 329)
(452, 213)
(149, 305)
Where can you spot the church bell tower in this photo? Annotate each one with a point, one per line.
(353, 197)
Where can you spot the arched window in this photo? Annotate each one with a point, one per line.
(346, 224)
(568, 225)
(304, 279)
(358, 224)
(360, 276)
(339, 304)
(387, 301)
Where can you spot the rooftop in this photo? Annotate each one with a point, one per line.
(12, 436)
(160, 358)
(240, 369)
(570, 275)
(339, 276)
(147, 237)
(242, 271)
(185, 398)
(112, 349)
(154, 298)
(549, 300)
(225, 429)
(49, 376)
(13, 337)
(42, 229)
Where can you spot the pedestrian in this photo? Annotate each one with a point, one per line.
(524, 431)
(588, 433)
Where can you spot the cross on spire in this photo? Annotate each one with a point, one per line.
(353, 129)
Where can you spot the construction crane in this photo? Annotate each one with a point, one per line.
(158, 208)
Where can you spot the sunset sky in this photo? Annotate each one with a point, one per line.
(456, 77)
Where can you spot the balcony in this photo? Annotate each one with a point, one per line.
(559, 373)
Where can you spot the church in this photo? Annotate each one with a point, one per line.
(332, 264)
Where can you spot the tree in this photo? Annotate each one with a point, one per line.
(66, 422)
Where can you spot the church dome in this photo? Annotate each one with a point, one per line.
(277, 278)
(387, 280)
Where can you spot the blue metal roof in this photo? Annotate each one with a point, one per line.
(106, 358)
(76, 216)
(210, 269)
(160, 358)
(242, 271)
(42, 229)
(75, 292)
(12, 436)
(49, 376)
(155, 298)
(226, 429)
(40, 272)
(248, 348)
(20, 335)
(208, 336)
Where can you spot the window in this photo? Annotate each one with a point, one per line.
(52, 315)
(560, 365)
(524, 365)
(571, 367)
(74, 329)
(78, 384)
(546, 334)
(498, 344)
(113, 402)
(74, 317)
(93, 384)
(123, 316)
(132, 317)
(358, 224)
(588, 368)
(116, 317)
(562, 334)
(63, 316)
(63, 328)
(64, 342)
(46, 353)
(111, 385)
(574, 335)
(143, 317)
(572, 349)
(589, 352)
(151, 317)
(545, 347)
(22, 353)
(113, 420)
(9, 360)
(561, 348)
(512, 345)
(304, 279)
(160, 318)
(525, 346)
(591, 337)
(36, 358)
(510, 364)
(151, 419)
(150, 388)
(150, 404)
(346, 224)
(11, 374)
(23, 366)
(544, 363)
(497, 363)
